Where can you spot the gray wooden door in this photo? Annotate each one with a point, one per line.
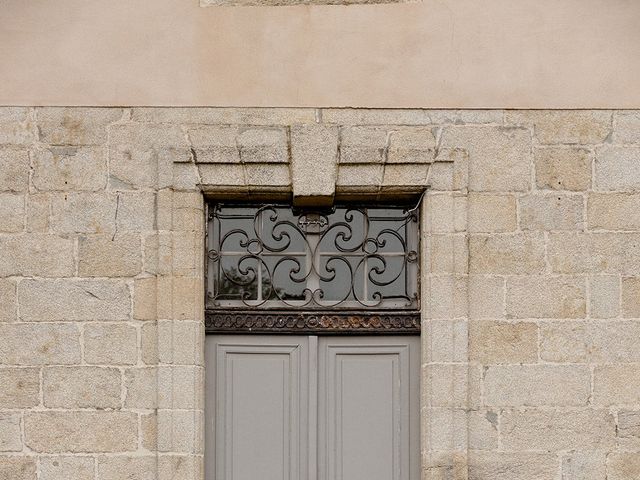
(312, 408)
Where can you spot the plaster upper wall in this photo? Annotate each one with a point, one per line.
(431, 54)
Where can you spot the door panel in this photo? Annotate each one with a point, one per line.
(368, 401)
(312, 408)
(257, 387)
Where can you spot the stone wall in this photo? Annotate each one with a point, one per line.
(531, 278)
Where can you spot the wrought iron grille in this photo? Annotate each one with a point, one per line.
(274, 257)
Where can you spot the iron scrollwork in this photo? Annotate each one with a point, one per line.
(272, 257)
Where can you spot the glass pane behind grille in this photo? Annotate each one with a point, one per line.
(273, 257)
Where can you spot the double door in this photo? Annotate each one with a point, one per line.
(312, 408)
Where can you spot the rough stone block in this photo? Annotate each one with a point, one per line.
(81, 387)
(447, 429)
(110, 256)
(267, 175)
(499, 157)
(18, 468)
(14, 170)
(613, 211)
(36, 255)
(411, 145)
(44, 344)
(363, 145)
(563, 168)
(547, 430)
(66, 468)
(11, 213)
(631, 297)
(84, 213)
(410, 175)
(10, 434)
(38, 211)
(110, 344)
(222, 175)
(501, 342)
(483, 430)
(148, 135)
(8, 300)
(565, 126)
(180, 467)
(186, 340)
(537, 385)
(145, 298)
(513, 466)
(486, 297)
(623, 466)
(132, 167)
(597, 253)
(263, 145)
(16, 126)
(551, 212)
(69, 169)
(136, 212)
(447, 254)
(225, 116)
(491, 213)
(447, 296)
(629, 425)
(590, 342)
(129, 468)
(215, 144)
(546, 297)
(20, 387)
(616, 168)
(584, 465)
(507, 254)
(149, 431)
(364, 177)
(75, 126)
(141, 387)
(70, 300)
(604, 296)
(180, 387)
(314, 156)
(150, 343)
(448, 386)
(616, 384)
(452, 341)
(180, 431)
(81, 431)
(627, 127)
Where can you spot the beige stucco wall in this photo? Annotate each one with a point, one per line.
(530, 279)
(429, 54)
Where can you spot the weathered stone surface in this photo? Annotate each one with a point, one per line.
(133, 167)
(38, 211)
(225, 116)
(491, 213)
(604, 296)
(499, 157)
(512, 466)
(563, 168)
(616, 384)
(258, 175)
(627, 127)
(81, 387)
(110, 344)
(10, 435)
(448, 386)
(551, 212)
(483, 430)
(75, 126)
(149, 431)
(263, 145)
(145, 299)
(411, 145)
(110, 256)
(597, 253)
(180, 387)
(16, 126)
(44, 344)
(150, 343)
(547, 430)
(186, 340)
(616, 168)
(81, 431)
(14, 170)
(314, 156)
(592, 342)
(363, 145)
(141, 386)
(447, 429)
(564, 126)
(84, 213)
(36, 254)
(546, 297)
(364, 177)
(631, 297)
(12, 213)
(507, 254)
(502, 342)
(127, 468)
(404, 176)
(584, 465)
(8, 300)
(69, 169)
(452, 344)
(17, 468)
(486, 297)
(69, 300)
(180, 431)
(66, 468)
(215, 144)
(148, 135)
(180, 467)
(20, 387)
(623, 466)
(136, 212)
(613, 211)
(629, 425)
(537, 385)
